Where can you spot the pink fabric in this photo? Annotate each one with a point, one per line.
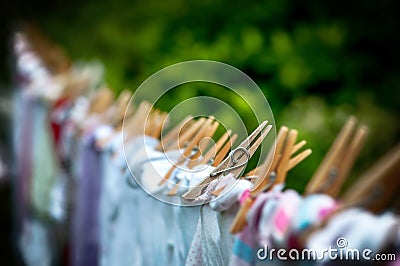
(244, 196)
(326, 211)
(281, 220)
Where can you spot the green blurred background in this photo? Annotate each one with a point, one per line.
(317, 62)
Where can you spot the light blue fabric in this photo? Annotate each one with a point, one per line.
(34, 244)
(147, 230)
(162, 229)
(243, 251)
(45, 169)
(126, 247)
(110, 191)
(186, 218)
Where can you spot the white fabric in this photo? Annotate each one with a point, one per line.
(212, 243)
(264, 227)
(231, 193)
(154, 168)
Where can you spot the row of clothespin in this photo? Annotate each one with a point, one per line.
(375, 190)
(193, 137)
(328, 179)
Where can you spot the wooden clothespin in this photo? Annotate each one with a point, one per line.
(335, 167)
(221, 152)
(374, 190)
(154, 122)
(207, 132)
(115, 114)
(101, 101)
(234, 163)
(188, 134)
(121, 105)
(273, 171)
(338, 162)
(209, 157)
(75, 84)
(204, 142)
(224, 150)
(161, 120)
(174, 134)
(135, 124)
(190, 147)
(377, 187)
(98, 105)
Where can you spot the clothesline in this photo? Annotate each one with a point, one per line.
(87, 196)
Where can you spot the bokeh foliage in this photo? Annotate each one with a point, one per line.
(316, 61)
